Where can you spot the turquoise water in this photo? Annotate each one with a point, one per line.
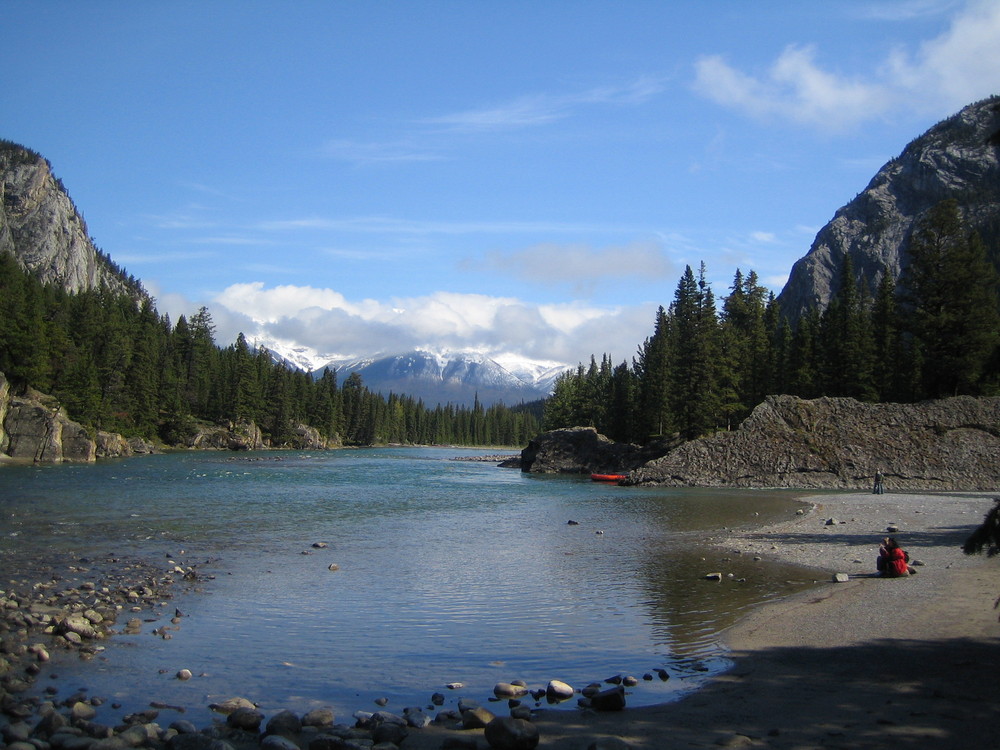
(448, 572)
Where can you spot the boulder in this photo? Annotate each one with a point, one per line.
(582, 450)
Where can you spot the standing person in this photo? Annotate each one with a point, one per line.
(892, 560)
(878, 488)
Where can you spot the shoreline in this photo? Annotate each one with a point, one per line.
(857, 664)
(870, 663)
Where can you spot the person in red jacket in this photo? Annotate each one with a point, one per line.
(892, 561)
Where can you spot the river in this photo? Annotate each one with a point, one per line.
(447, 572)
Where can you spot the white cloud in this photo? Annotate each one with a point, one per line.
(325, 321)
(957, 67)
(794, 88)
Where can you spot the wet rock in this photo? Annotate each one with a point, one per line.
(558, 690)
(231, 704)
(284, 723)
(612, 699)
(508, 733)
(476, 718)
(509, 690)
(247, 719)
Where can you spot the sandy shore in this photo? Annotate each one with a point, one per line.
(870, 663)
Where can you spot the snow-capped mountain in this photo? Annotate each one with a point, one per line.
(437, 377)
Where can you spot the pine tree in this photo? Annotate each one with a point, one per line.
(951, 296)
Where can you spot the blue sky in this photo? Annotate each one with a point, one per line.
(519, 177)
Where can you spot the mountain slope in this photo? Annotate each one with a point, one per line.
(454, 377)
(41, 228)
(958, 158)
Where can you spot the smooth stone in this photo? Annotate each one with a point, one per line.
(713, 577)
(558, 690)
(841, 578)
(476, 718)
(509, 690)
(231, 704)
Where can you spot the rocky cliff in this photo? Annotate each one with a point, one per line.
(40, 226)
(839, 443)
(582, 450)
(958, 158)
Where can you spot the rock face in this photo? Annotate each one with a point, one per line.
(582, 450)
(958, 158)
(40, 226)
(839, 443)
(31, 430)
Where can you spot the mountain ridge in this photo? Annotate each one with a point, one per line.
(438, 376)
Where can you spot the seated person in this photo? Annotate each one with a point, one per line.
(892, 561)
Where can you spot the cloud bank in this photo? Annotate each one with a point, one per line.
(332, 326)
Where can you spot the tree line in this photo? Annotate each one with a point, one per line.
(115, 364)
(705, 368)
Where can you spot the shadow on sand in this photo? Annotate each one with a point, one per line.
(898, 694)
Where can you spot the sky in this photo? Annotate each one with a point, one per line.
(524, 178)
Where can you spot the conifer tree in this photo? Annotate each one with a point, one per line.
(951, 296)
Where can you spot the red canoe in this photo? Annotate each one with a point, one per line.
(607, 477)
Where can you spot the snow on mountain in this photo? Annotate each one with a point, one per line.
(457, 377)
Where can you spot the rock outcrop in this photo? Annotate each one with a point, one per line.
(35, 429)
(582, 450)
(41, 228)
(958, 158)
(839, 443)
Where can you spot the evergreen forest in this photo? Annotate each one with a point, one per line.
(117, 365)
(705, 367)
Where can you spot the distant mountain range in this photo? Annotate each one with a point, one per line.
(437, 377)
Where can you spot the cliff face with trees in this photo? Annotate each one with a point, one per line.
(41, 228)
(958, 159)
